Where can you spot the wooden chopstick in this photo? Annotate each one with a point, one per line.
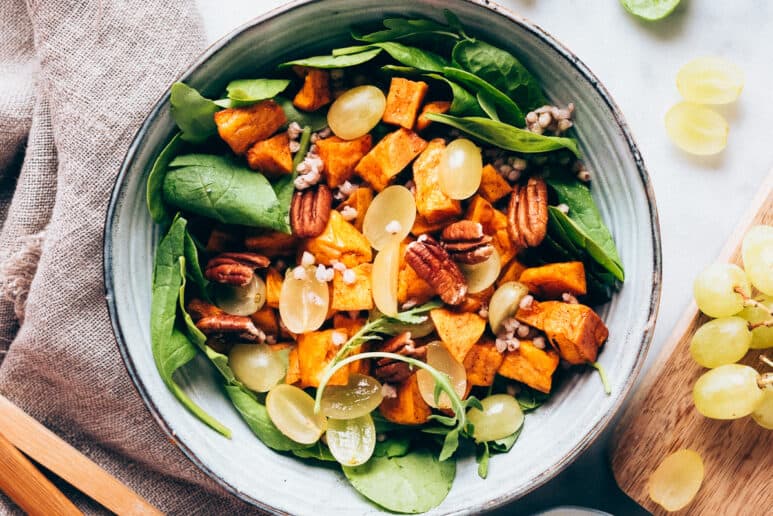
(28, 487)
(46, 448)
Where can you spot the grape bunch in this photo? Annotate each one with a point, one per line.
(741, 302)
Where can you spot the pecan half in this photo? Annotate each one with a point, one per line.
(235, 268)
(225, 324)
(432, 264)
(199, 309)
(527, 213)
(466, 242)
(310, 211)
(392, 371)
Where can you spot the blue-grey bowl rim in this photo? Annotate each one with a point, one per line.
(561, 50)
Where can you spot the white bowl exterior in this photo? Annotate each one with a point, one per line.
(554, 434)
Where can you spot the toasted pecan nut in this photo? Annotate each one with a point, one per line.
(527, 213)
(224, 323)
(199, 309)
(432, 264)
(310, 211)
(466, 242)
(392, 371)
(235, 268)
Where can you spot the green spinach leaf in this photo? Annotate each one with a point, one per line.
(506, 136)
(154, 188)
(224, 190)
(463, 102)
(530, 399)
(256, 417)
(501, 69)
(508, 110)
(392, 447)
(316, 120)
(285, 186)
(317, 451)
(248, 91)
(403, 54)
(193, 267)
(401, 28)
(410, 484)
(331, 61)
(192, 113)
(488, 105)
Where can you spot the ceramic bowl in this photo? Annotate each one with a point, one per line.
(555, 434)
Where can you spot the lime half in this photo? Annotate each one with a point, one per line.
(650, 9)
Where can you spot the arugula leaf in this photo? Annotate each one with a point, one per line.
(412, 483)
(316, 120)
(506, 136)
(506, 443)
(485, 450)
(501, 69)
(331, 61)
(153, 191)
(392, 447)
(508, 110)
(585, 215)
(222, 189)
(603, 376)
(403, 54)
(482, 457)
(192, 113)
(530, 399)
(401, 28)
(248, 91)
(463, 102)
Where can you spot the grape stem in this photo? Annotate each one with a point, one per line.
(761, 324)
(766, 360)
(748, 301)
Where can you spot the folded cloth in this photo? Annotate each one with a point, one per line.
(77, 77)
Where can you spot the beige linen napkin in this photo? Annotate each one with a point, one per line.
(77, 77)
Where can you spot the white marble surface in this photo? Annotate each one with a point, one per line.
(699, 199)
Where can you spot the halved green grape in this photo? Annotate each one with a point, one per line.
(360, 396)
(292, 411)
(697, 129)
(757, 252)
(710, 80)
(244, 300)
(461, 169)
(728, 392)
(721, 341)
(390, 216)
(763, 414)
(351, 441)
(481, 276)
(650, 10)
(504, 303)
(439, 358)
(677, 479)
(257, 366)
(386, 266)
(303, 300)
(500, 417)
(356, 112)
(762, 336)
(715, 290)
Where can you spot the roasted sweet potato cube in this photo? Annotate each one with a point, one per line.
(408, 407)
(474, 302)
(315, 91)
(530, 365)
(431, 203)
(535, 313)
(339, 241)
(241, 127)
(551, 280)
(389, 157)
(459, 331)
(511, 272)
(482, 363)
(494, 223)
(403, 101)
(315, 351)
(410, 287)
(436, 106)
(271, 156)
(341, 157)
(293, 375)
(492, 185)
(359, 200)
(273, 287)
(351, 324)
(576, 331)
(271, 243)
(266, 320)
(355, 295)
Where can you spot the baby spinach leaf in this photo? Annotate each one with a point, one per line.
(285, 186)
(392, 447)
(508, 110)
(256, 416)
(401, 28)
(403, 54)
(154, 194)
(506, 136)
(463, 102)
(331, 61)
(413, 483)
(192, 113)
(193, 267)
(222, 189)
(317, 451)
(501, 69)
(315, 119)
(248, 91)
(488, 105)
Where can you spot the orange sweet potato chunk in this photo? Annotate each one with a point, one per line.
(242, 127)
(340, 241)
(492, 185)
(408, 407)
(271, 243)
(511, 272)
(474, 302)
(360, 200)
(273, 287)
(403, 101)
(422, 225)
(551, 280)
(315, 351)
(431, 203)
(293, 375)
(436, 106)
(494, 223)
(389, 157)
(459, 331)
(341, 157)
(530, 365)
(354, 296)
(271, 156)
(315, 91)
(266, 320)
(482, 363)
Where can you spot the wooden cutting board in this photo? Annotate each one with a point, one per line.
(661, 418)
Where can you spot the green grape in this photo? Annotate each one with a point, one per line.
(763, 414)
(762, 336)
(728, 392)
(721, 341)
(356, 112)
(504, 303)
(676, 481)
(291, 409)
(757, 252)
(360, 396)
(481, 276)
(441, 359)
(257, 366)
(351, 441)
(500, 417)
(710, 80)
(461, 169)
(715, 290)
(390, 216)
(244, 300)
(696, 129)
